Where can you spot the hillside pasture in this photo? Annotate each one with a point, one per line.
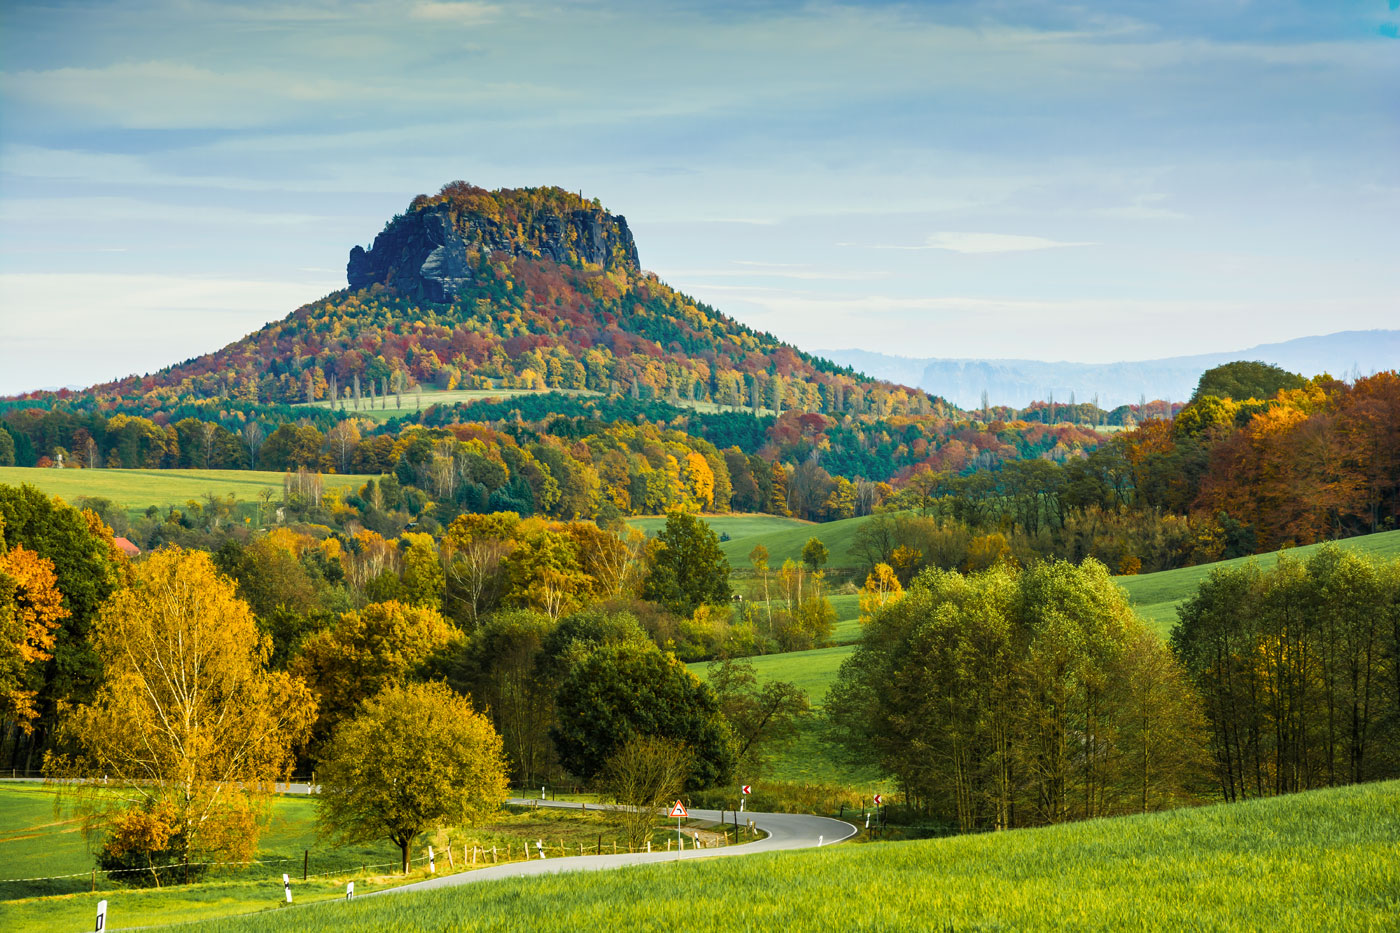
(409, 402)
(1317, 861)
(809, 759)
(137, 490)
(736, 525)
(1156, 596)
(787, 543)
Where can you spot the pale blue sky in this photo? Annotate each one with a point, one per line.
(1096, 181)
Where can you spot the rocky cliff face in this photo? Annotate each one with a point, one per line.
(428, 251)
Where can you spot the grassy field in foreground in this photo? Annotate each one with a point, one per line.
(1156, 596)
(1320, 861)
(738, 525)
(135, 490)
(36, 843)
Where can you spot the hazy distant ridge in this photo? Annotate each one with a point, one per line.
(1020, 382)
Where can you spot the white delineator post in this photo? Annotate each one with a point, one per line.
(350, 891)
(432, 862)
(101, 917)
(819, 842)
(539, 844)
(287, 888)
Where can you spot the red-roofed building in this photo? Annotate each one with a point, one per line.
(126, 547)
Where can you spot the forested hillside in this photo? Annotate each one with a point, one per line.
(528, 288)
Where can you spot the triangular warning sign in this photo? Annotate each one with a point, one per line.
(678, 810)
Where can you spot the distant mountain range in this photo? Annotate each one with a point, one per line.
(1020, 382)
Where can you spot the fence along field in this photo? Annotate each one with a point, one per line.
(1317, 861)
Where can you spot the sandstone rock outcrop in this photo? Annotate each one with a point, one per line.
(428, 251)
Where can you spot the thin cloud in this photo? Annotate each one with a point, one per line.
(463, 12)
(965, 242)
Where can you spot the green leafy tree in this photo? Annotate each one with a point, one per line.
(414, 756)
(765, 719)
(87, 570)
(499, 667)
(1298, 669)
(618, 692)
(423, 582)
(1245, 380)
(688, 569)
(578, 634)
(365, 652)
(815, 554)
(1008, 698)
(292, 446)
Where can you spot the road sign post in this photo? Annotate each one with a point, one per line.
(678, 811)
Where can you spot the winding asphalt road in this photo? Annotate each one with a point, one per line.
(785, 831)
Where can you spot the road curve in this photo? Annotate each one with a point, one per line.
(784, 831)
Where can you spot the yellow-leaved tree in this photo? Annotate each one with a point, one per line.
(414, 756)
(881, 588)
(31, 608)
(174, 757)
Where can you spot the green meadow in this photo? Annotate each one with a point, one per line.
(1320, 861)
(38, 843)
(809, 759)
(137, 490)
(409, 402)
(1156, 596)
(786, 543)
(738, 525)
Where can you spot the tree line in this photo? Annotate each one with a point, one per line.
(1298, 668)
